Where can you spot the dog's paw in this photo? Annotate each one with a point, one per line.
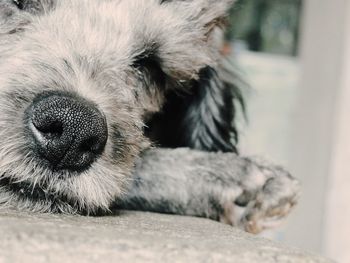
(268, 193)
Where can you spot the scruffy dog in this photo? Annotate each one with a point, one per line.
(88, 86)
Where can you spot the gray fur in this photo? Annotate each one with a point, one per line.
(88, 47)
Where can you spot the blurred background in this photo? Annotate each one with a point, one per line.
(295, 54)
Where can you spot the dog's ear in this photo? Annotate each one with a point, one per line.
(203, 118)
(202, 14)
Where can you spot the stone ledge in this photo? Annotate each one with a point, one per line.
(134, 237)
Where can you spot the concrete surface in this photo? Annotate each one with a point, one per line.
(133, 237)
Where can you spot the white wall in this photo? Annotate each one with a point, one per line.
(322, 130)
(337, 225)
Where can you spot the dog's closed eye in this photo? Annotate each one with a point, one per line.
(148, 68)
(19, 4)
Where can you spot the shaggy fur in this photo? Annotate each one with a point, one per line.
(152, 67)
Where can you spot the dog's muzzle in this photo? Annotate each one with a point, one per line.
(66, 131)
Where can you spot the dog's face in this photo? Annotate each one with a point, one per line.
(77, 81)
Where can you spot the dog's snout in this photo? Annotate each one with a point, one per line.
(67, 131)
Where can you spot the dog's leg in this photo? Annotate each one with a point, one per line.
(239, 191)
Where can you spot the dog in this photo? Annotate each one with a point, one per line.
(88, 87)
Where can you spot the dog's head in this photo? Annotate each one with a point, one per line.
(78, 79)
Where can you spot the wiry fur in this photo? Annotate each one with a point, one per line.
(152, 67)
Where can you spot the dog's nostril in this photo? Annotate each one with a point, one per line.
(91, 145)
(67, 131)
(54, 129)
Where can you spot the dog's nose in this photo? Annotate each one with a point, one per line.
(69, 132)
